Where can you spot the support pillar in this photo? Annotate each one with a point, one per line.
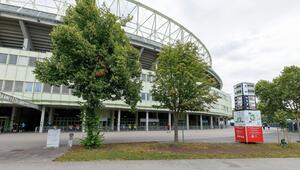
(219, 122)
(211, 122)
(197, 121)
(147, 121)
(119, 120)
(201, 122)
(157, 125)
(42, 119)
(136, 120)
(170, 121)
(13, 112)
(187, 122)
(83, 123)
(112, 120)
(50, 117)
(27, 45)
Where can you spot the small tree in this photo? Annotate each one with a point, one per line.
(92, 55)
(283, 93)
(280, 117)
(182, 83)
(288, 84)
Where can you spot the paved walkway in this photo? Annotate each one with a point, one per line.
(26, 151)
(205, 164)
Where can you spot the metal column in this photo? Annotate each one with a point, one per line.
(13, 112)
(170, 121)
(136, 120)
(147, 121)
(42, 119)
(201, 122)
(119, 120)
(112, 120)
(50, 117)
(187, 122)
(211, 122)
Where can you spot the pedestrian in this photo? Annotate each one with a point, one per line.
(169, 128)
(23, 125)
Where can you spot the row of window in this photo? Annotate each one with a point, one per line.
(21, 86)
(222, 107)
(30, 61)
(17, 60)
(147, 78)
(147, 97)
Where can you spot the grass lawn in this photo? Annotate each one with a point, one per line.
(163, 151)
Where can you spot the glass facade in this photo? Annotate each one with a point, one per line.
(28, 86)
(3, 58)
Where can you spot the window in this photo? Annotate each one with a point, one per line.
(3, 58)
(12, 59)
(8, 85)
(143, 96)
(149, 98)
(144, 77)
(28, 86)
(23, 61)
(18, 86)
(47, 88)
(37, 87)
(1, 82)
(65, 90)
(149, 78)
(152, 79)
(32, 61)
(56, 89)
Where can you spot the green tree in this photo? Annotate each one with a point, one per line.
(281, 117)
(182, 83)
(92, 55)
(283, 93)
(269, 101)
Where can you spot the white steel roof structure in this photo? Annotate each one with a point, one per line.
(146, 22)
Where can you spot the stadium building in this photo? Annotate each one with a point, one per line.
(28, 105)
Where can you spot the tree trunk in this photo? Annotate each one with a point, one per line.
(175, 127)
(91, 123)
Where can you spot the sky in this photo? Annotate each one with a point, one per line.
(249, 40)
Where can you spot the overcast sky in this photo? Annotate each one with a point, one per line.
(249, 40)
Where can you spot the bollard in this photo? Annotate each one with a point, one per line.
(71, 137)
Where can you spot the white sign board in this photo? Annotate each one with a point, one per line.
(53, 138)
(247, 118)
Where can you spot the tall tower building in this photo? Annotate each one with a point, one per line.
(244, 96)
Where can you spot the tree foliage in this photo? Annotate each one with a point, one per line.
(281, 94)
(182, 83)
(92, 55)
(280, 117)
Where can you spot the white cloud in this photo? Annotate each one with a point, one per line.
(249, 40)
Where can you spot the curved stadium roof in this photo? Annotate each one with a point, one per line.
(148, 26)
(146, 22)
